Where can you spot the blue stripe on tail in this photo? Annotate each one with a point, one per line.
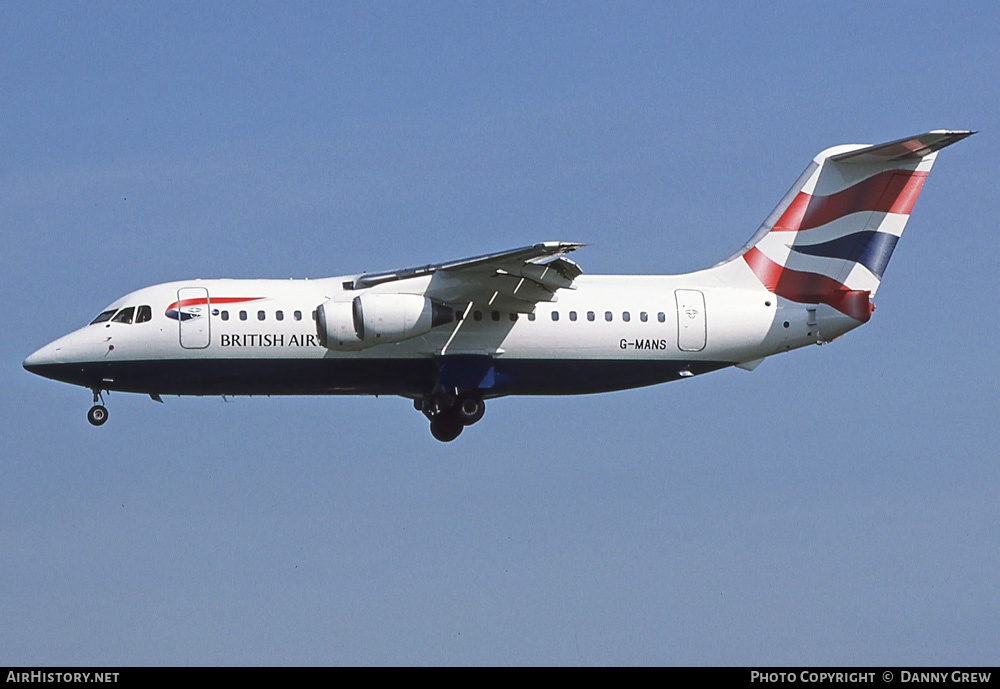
(869, 248)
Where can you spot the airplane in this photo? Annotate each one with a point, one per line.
(526, 321)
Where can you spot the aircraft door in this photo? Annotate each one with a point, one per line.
(691, 325)
(193, 317)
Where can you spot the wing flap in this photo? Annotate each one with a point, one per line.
(511, 260)
(518, 277)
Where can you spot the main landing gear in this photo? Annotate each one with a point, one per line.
(98, 414)
(449, 415)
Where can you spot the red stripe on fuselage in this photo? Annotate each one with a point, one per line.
(214, 300)
(891, 191)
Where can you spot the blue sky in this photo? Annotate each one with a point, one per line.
(835, 506)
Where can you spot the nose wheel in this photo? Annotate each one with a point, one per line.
(98, 414)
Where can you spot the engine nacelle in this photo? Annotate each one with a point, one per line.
(374, 319)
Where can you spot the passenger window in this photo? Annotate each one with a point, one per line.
(145, 314)
(243, 315)
(590, 316)
(104, 316)
(531, 316)
(225, 315)
(608, 316)
(643, 316)
(260, 315)
(279, 315)
(555, 315)
(572, 315)
(626, 317)
(513, 317)
(478, 315)
(297, 315)
(495, 315)
(661, 317)
(314, 314)
(125, 316)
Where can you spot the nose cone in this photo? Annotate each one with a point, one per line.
(75, 358)
(56, 358)
(38, 362)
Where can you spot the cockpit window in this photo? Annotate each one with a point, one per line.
(125, 315)
(105, 316)
(145, 314)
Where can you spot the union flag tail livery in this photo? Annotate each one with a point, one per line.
(831, 237)
(525, 321)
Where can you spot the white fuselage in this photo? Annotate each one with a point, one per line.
(260, 337)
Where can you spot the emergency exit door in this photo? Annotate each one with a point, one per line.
(691, 326)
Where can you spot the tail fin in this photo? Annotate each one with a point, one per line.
(830, 238)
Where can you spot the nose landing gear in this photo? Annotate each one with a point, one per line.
(98, 414)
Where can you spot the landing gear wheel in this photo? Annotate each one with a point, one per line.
(446, 427)
(97, 415)
(470, 410)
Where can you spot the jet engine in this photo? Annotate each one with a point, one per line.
(374, 319)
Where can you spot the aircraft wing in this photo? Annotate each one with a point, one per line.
(513, 280)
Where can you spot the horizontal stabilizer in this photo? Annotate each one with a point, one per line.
(903, 149)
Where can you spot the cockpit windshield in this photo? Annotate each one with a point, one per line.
(128, 315)
(104, 316)
(124, 316)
